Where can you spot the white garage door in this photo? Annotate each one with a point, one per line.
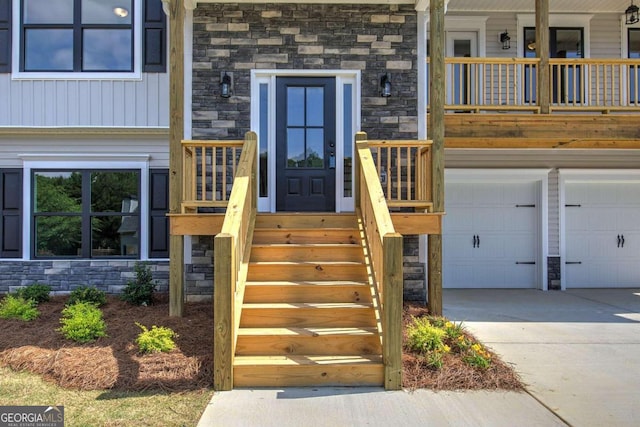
(490, 235)
(602, 223)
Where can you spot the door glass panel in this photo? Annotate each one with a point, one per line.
(264, 140)
(348, 140)
(295, 148)
(634, 74)
(462, 48)
(295, 106)
(315, 148)
(315, 106)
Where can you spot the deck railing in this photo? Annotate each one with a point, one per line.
(385, 256)
(209, 168)
(231, 256)
(404, 170)
(510, 84)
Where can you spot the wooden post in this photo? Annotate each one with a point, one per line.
(360, 136)
(436, 126)
(176, 133)
(223, 322)
(542, 52)
(392, 311)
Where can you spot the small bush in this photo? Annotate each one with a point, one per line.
(82, 322)
(36, 292)
(157, 339)
(89, 295)
(140, 290)
(424, 337)
(16, 307)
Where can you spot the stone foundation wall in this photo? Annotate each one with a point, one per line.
(65, 276)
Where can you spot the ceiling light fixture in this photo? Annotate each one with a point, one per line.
(121, 12)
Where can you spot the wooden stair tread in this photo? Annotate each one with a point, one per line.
(303, 360)
(313, 332)
(296, 283)
(298, 305)
(306, 245)
(268, 263)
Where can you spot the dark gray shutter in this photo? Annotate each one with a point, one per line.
(158, 209)
(5, 36)
(154, 38)
(11, 213)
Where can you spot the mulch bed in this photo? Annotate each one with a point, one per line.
(114, 362)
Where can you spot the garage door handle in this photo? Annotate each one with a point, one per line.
(474, 241)
(478, 241)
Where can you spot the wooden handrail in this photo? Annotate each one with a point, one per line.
(385, 260)
(232, 248)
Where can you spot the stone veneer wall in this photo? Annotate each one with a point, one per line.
(239, 37)
(65, 276)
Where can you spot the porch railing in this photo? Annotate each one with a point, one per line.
(385, 256)
(510, 84)
(209, 168)
(404, 170)
(232, 248)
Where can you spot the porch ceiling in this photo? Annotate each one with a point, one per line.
(556, 6)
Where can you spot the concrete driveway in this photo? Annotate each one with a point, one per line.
(578, 351)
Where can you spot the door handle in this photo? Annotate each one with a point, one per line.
(478, 238)
(618, 240)
(474, 240)
(622, 240)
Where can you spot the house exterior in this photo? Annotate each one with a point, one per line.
(539, 194)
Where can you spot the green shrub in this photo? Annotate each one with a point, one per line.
(157, 339)
(140, 290)
(82, 322)
(424, 337)
(87, 294)
(36, 292)
(16, 307)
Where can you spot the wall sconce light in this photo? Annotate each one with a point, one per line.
(631, 14)
(226, 84)
(385, 85)
(505, 40)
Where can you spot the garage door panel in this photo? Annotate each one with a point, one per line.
(506, 235)
(609, 212)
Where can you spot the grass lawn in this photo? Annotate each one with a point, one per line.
(104, 408)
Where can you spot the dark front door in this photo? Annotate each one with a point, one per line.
(305, 144)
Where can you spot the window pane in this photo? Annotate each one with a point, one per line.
(315, 148)
(634, 43)
(114, 191)
(58, 236)
(114, 236)
(295, 106)
(48, 50)
(106, 11)
(315, 106)
(58, 192)
(295, 148)
(106, 50)
(48, 11)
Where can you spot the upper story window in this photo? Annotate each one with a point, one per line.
(77, 35)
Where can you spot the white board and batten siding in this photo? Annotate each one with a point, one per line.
(495, 229)
(85, 102)
(600, 227)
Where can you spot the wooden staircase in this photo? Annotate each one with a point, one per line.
(308, 317)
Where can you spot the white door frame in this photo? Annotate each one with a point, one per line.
(541, 177)
(343, 77)
(585, 176)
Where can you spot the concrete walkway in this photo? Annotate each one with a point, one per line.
(578, 351)
(346, 407)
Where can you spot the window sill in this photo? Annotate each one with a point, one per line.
(51, 75)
